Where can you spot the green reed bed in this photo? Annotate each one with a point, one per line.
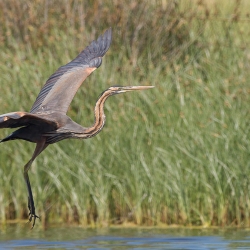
(176, 154)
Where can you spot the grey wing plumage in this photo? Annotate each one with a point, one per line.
(20, 119)
(61, 87)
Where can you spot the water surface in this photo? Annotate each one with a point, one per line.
(15, 237)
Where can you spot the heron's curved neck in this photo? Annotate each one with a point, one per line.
(99, 116)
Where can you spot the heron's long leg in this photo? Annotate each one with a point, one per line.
(40, 146)
(31, 206)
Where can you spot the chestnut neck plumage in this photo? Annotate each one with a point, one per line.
(99, 116)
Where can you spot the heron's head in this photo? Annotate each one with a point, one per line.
(120, 89)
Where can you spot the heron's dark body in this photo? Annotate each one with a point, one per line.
(54, 127)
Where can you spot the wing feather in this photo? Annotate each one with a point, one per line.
(20, 119)
(61, 87)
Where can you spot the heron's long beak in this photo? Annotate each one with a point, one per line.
(131, 88)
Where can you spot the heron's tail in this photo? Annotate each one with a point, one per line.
(8, 138)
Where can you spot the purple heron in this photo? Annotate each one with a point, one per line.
(47, 122)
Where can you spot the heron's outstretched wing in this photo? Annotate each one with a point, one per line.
(61, 87)
(20, 119)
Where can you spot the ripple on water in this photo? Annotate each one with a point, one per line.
(78, 238)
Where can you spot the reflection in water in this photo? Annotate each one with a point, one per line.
(78, 238)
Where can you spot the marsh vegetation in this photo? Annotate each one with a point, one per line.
(178, 154)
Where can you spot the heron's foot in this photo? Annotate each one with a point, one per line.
(33, 217)
(32, 213)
